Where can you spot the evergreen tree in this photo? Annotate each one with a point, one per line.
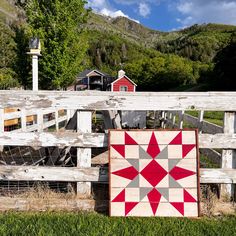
(225, 69)
(22, 63)
(7, 57)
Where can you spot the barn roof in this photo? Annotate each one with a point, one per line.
(124, 76)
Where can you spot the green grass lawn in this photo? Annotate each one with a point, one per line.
(215, 117)
(95, 224)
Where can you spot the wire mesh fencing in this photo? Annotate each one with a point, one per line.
(45, 157)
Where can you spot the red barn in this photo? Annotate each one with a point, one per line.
(123, 83)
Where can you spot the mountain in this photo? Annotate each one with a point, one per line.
(198, 42)
(155, 60)
(124, 27)
(128, 29)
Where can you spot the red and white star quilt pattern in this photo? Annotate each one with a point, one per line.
(153, 173)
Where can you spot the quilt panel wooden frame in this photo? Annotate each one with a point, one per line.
(154, 173)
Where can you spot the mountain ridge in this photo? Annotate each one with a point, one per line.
(129, 29)
(153, 59)
(213, 36)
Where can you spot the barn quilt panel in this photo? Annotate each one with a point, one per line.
(153, 173)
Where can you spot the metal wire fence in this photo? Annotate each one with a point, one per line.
(43, 156)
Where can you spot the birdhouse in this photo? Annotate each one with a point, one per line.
(35, 46)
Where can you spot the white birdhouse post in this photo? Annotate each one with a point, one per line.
(35, 49)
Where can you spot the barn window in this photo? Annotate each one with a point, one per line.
(123, 88)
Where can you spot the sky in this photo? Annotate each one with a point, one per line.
(169, 15)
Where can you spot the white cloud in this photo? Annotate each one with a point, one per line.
(96, 4)
(206, 11)
(137, 2)
(126, 2)
(103, 7)
(144, 9)
(185, 7)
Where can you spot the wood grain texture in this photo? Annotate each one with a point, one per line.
(84, 124)
(23, 120)
(221, 176)
(72, 174)
(226, 141)
(95, 100)
(49, 139)
(229, 156)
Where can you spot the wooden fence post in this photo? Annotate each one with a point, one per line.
(173, 120)
(84, 124)
(170, 115)
(1, 125)
(23, 120)
(56, 120)
(1, 120)
(229, 156)
(155, 115)
(107, 120)
(181, 119)
(163, 117)
(112, 119)
(40, 121)
(200, 120)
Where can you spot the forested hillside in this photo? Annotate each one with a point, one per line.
(196, 58)
(199, 42)
(156, 60)
(149, 68)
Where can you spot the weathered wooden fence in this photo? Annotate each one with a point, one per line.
(43, 119)
(84, 103)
